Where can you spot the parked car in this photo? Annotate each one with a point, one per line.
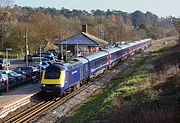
(52, 58)
(18, 76)
(30, 72)
(48, 54)
(50, 62)
(38, 54)
(42, 64)
(12, 81)
(4, 63)
(54, 51)
(3, 77)
(3, 81)
(1, 66)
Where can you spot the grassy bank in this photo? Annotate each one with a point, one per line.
(148, 91)
(122, 87)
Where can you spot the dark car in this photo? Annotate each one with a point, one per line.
(42, 54)
(11, 80)
(2, 82)
(54, 51)
(30, 72)
(19, 77)
(1, 66)
(50, 58)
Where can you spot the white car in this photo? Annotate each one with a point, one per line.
(4, 63)
(3, 77)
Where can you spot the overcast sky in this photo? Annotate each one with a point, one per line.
(162, 8)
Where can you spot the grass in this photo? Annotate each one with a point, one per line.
(141, 94)
(120, 88)
(1, 54)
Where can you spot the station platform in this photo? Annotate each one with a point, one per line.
(16, 98)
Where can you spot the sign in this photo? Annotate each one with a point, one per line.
(8, 48)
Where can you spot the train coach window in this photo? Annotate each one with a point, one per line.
(52, 74)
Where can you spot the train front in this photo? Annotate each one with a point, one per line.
(53, 79)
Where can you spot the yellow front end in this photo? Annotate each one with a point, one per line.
(58, 81)
(53, 82)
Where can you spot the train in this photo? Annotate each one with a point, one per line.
(62, 78)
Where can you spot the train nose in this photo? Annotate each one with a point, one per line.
(48, 88)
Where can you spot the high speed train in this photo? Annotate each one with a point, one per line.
(61, 78)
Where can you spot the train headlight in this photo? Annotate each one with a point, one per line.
(43, 85)
(58, 86)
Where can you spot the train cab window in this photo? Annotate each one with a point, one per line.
(52, 74)
(66, 79)
(86, 66)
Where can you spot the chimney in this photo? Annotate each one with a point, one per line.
(84, 28)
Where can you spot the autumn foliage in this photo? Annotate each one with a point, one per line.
(49, 24)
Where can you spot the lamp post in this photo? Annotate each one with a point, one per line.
(40, 60)
(6, 54)
(7, 85)
(62, 57)
(7, 49)
(62, 49)
(26, 47)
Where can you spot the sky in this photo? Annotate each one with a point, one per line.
(162, 8)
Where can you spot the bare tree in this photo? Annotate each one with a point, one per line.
(5, 3)
(177, 25)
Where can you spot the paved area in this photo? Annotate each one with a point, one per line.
(20, 62)
(15, 98)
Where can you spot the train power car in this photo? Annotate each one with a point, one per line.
(60, 77)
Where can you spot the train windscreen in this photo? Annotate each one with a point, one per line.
(52, 74)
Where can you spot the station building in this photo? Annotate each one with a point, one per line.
(81, 44)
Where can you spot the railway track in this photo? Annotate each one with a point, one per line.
(43, 106)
